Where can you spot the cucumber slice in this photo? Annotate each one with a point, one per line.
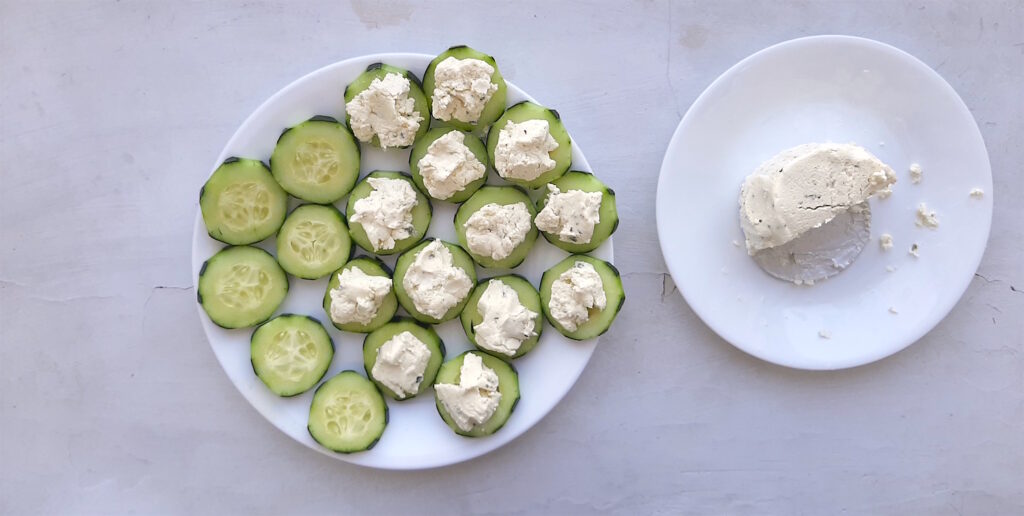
(348, 414)
(421, 214)
(241, 202)
(600, 320)
(313, 241)
(241, 286)
(420, 149)
(508, 386)
(379, 71)
(587, 182)
(528, 296)
(522, 112)
(501, 195)
(459, 259)
(424, 333)
(495, 106)
(317, 160)
(291, 353)
(388, 307)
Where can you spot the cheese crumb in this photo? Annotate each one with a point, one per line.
(890, 268)
(915, 173)
(385, 110)
(449, 166)
(885, 193)
(825, 334)
(914, 251)
(523, 150)
(977, 193)
(885, 241)
(462, 88)
(925, 218)
(892, 310)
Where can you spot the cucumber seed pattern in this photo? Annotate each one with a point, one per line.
(244, 205)
(292, 355)
(316, 161)
(244, 287)
(348, 413)
(313, 241)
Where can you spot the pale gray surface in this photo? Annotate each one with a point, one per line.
(111, 400)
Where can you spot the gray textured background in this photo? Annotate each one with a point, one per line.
(111, 400)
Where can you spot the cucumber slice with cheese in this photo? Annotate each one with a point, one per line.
(313, 241)
(599, 320)
(386, 310)
(508, 386)
(379, 71)
(495, 105)
(317, 160)
(348, 413)
(241, 286)
(528, 297)
(609, 216)
(420, 149)
(421, 214)
(503, 196)
(423, 332)
(291, 353)
(242, 203)
(459, 259)
(522, 112)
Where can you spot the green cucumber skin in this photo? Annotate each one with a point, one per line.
(611, 291)
(422, 331)
(347, 138)
(406, 259)
(298, 270)
(471, 315)
(280, 202)
(503, 388)
(386, 415)
(255, 369)
(521, 112)
(608, 211)
(378, 71)
(388, 307)
(204, 269)
(476, 146)
(421, 221)
(480, 199)
(494, 107)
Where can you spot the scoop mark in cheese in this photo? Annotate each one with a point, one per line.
(523, 150)
(386, 214)
(462, 88)
(449, 166)
(571, 215)
(434, 283)
(506, 322)
(400, 364)
(496, 230)
(358, 296)
(473, 401)
(386, 111)
(574, 294)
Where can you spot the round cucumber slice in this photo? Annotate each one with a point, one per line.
(459, 258)
(508, 386)
(379, 71)
(313, 241)
(241, 286)
(420, 149)
(609, 216)
(421, 214)
(503, 196)
(387, 308)
(291, 353)
(494, 107)
(424, 333)
(348, 414)
(317, 160)
(241, 202)
(600, 320)
(522, 112)
(528, 297)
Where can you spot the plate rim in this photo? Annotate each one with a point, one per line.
(197, 260)
(723, 78)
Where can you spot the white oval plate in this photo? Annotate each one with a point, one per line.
(826, 88)
(416, 437)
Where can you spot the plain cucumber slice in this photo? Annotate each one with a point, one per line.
(241, 286)
(495, 106)
(600, 320)
(528, 297)
(348, 413)
(508, 386)
(242, 203)
(522, 112)
(423, 332)
(420, 214)
(317, 160)
(459, 259)
(420, 149)
(313, 241)
(501, 195)
(388, 306)
(291, 353)
(379, 71)
(609, 216)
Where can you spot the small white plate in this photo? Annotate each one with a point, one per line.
(826, 88)
(416, 437)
